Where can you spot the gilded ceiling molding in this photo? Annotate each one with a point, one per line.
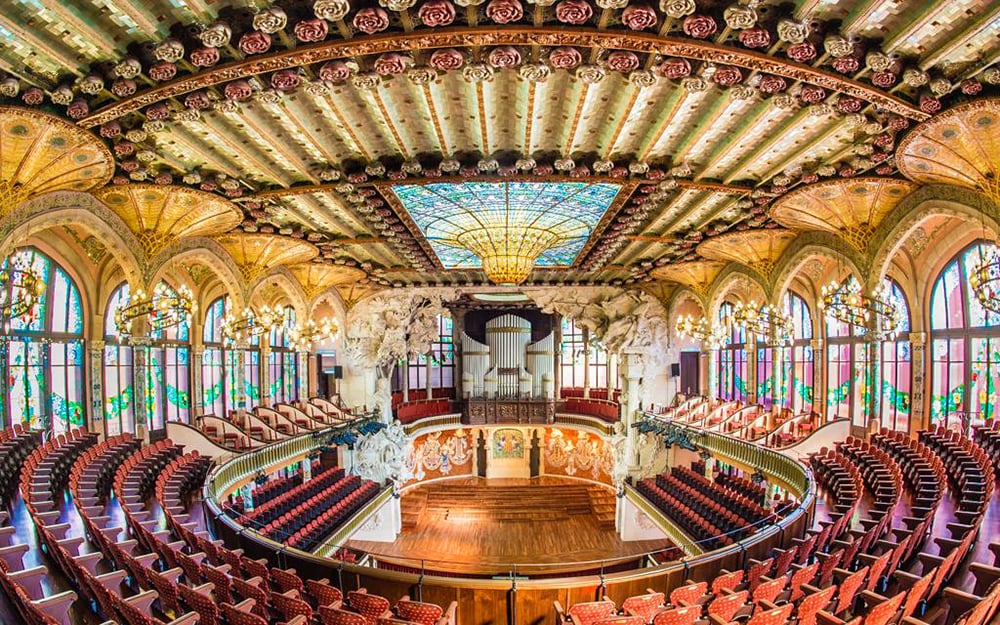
(926, 202)
(681, 295)
(729, 279)
(646, 43)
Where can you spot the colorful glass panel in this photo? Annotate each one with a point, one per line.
(444, 210)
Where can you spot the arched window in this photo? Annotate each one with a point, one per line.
(771, 385)
(43, 361)
(442, 362)
(169, 373)
(799, 366)
(732, 361)
(848, 377)
(282, 361)
(894, 404)
(965, 347)
(120, 399)
(218, 365)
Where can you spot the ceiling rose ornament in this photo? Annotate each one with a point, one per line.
(875, 317)
(21, 289)
(771, 326)
(334, 10)
(851, 209)
(161, 309)
(270, 20)
(40, 153)
(162, 215)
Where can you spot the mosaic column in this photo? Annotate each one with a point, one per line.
(265, 371)
(305, 381)
(751, 380)
(95, 363)
(197, 392)
(143, 397)
(918, 360)
(240, 396)
(819, 378)
(706, 364)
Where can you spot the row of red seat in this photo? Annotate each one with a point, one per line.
(413, 410)
(568, 392)
(420, 394)
(600, 408)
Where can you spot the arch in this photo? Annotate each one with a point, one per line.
(285, 281)
(924, 203)
(681, 295)
(332, 297)
(209, 253)
(803, 249)
(73, 208)
(732, 277)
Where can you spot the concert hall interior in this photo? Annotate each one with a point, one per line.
(499, 312)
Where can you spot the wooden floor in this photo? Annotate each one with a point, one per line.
(474, 525)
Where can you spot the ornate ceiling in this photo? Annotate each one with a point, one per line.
(701, 114)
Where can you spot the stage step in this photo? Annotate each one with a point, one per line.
(411, 507)
(603, 504)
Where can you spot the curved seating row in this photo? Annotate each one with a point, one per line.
(601, 408)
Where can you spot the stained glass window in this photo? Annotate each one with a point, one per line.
(42, 354)
(894, 404)
(444, 211)
(965, 347)
(572, 350)
(442, 360)
(219, 364)
(119, 370)
(282, 363)
(732, 358)
(800, 363)
(848, 379)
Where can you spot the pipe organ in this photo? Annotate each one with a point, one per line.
(508, 365)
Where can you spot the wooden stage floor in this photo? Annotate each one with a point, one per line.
(479, 526)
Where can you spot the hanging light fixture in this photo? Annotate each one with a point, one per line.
(162, 309)
(700, 329)
(874, 316)
(248, 325)
(302, 337)
(985, 279)
(21, 289)
(772, 326)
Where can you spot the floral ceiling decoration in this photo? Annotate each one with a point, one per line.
(850, 209)
(305, 113)
(757, 249)
(257, 254)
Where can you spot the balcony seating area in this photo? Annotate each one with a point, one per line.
(988, 438)
(414, 410)
(305, 524)
(285, 501)
(570, 392)
(420, 394)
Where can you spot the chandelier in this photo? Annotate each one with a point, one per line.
(773, 327)
(701, 330)
(21, 289)
(508, 255)
(873, 316)
(162, 309)
(985, 279)
(249, 325)
(302, 337)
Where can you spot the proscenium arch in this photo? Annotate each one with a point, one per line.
(926, 202)
(729, 278)
(73, 208)
(209, 253)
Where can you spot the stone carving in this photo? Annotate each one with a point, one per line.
(383, 455)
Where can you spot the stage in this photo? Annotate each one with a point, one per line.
(482, 526)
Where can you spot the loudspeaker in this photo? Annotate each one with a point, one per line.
(338, 372)
(675, 369)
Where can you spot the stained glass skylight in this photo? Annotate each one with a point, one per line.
(455, 217)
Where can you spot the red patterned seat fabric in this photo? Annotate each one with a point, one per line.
(419, 612)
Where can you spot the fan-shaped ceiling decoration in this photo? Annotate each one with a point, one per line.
(960, 146)
(160, 215)
(849, 208)
(317, 277)
(697, 275)
(255, 254)
(757, 249)
(40, 153)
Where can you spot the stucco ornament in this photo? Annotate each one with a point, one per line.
(617, 444)
(383, 455)
(331, 10)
